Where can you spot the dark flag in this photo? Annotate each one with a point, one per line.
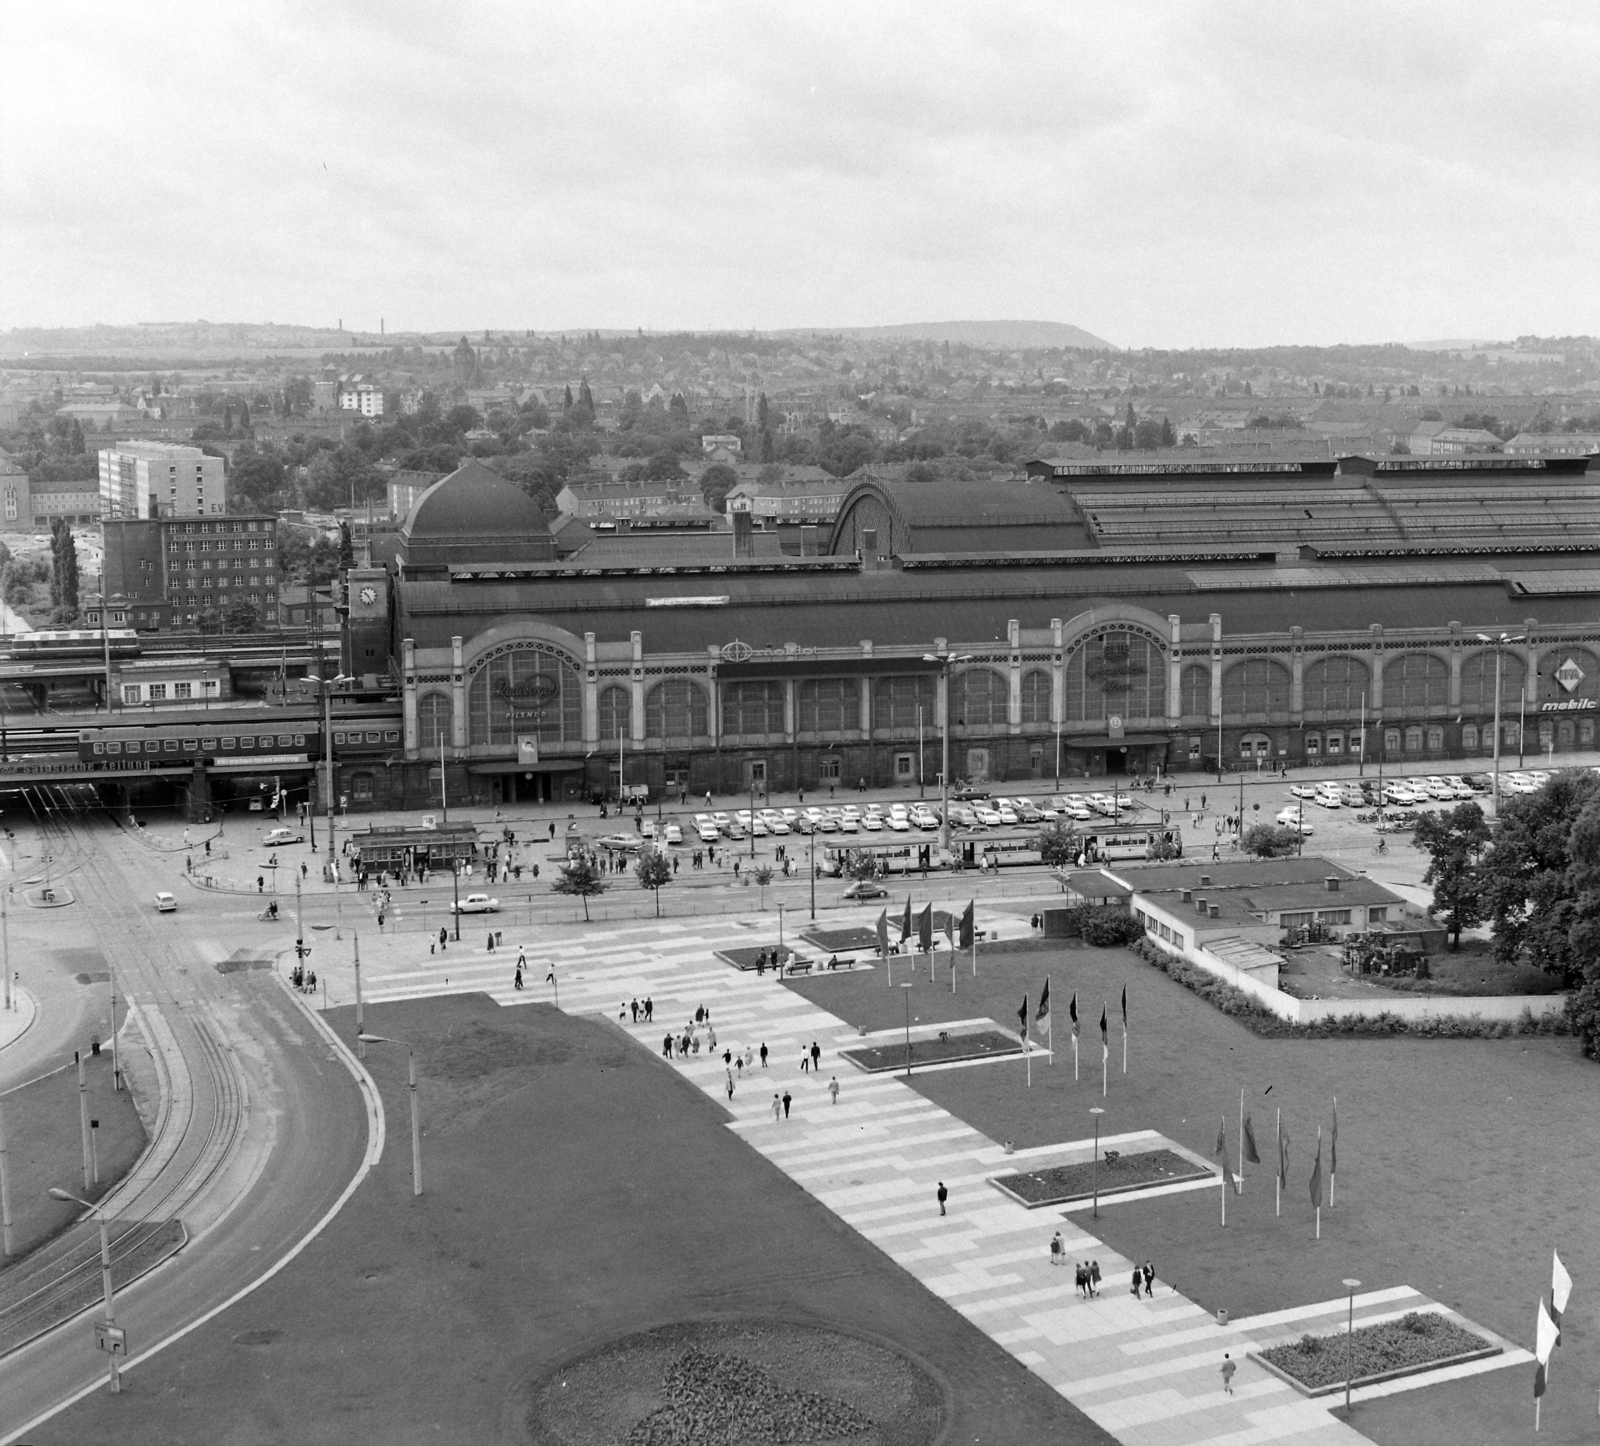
(925, 929)
(1072, 1012)
(1042, 1014)
(1124, 1006)
(905, 923)
(1022, 1016)
(1333, 1143)
(1283, 1158)
(1105, 1039)
(1250, 1152)
(1222, 1151)
(883, 932)
(967, 925)
(1316, 1176)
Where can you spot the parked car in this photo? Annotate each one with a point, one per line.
(872, 822)
(988, 817)
(1030, 812)
(619, 841)
(866, 889)
(963, 816)
(1304, 790)
(166, 904)
(476, 904)
(925, 818)
(672, 833)
(969, 792)
(706, 827)
(1459, 787)
(1290, 818)
(275, 836)
(1401, 793)
(1328, 798)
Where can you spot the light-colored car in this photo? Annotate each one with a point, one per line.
(1290, 818)
(1436, 787)
(988, 817)
(626, 841)
(1328, 798)
(899, 822)
(925, 818)
(1008, 814)
(962, 816)
(672, 833)
(1351, 796)
(476, 904)
(1401, 793)
(275, 836)
(1073, 807)
(166, 904)
(1304, 790)
(706, 827)
(849, 823)
(827, 822)
(720, 819)
(1459, 787)
(872, 822)
(776, 823)
(1101, 803)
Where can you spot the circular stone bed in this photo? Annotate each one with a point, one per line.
(733, 1383)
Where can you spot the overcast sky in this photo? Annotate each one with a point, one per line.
(1161, 174)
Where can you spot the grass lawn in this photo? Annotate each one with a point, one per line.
(1462, 1163)
(578, 1191)
(980, 1044)
(1064, 1183)
(44, 1147)
(1473, 969)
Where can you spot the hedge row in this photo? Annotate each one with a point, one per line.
(1254, 1015)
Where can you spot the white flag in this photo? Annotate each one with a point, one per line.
(1560, 1290)
(1545, 1335)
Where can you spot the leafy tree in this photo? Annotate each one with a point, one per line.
(763, 877)
(763, 412)
(1529, 893)
(1058, 844)
(586, 398)
(860, 864)
(566, 400)
(1454, 841)
(581, 878)
(653, 870)
(244, 416)
(664, 467)
(257, 484)
(239, 616)
(768, 450)
(1271, 841)
(715, 483)
(347, 548)
(1583, 1002)
(678, 407)
(75, 438)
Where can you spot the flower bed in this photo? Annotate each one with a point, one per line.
(1117, 1173)
(1415, 1342)
(981, 1044)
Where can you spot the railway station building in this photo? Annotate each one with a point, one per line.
(1091, 618)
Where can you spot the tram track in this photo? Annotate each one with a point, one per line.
(201, 1118)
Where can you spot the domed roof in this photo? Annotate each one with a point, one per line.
(474, 515)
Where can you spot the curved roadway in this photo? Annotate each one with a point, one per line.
(264, 1124)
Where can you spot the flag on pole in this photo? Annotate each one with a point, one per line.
(1124, 1006)
(1072, 1012)
(1546, 1334)
(1222, 1151)
(883, 932)
(1042, 1014)
(925, 929)
(1316, 1175)
(1560, 1290)
(1283, 1158)
(950, 929)
(1249, 1151)
(1333, 1144)
(905, 923)
(967, 921)
(1105, 1038)
(1022, 1016)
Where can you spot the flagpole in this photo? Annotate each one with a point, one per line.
(1277, 1174)
(1028, 1055)
(1124, 1046)
(1224, 1191)
(1241, 1141)
(1319, 1203)
(1075, 1054)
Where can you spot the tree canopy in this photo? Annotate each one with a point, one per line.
(1455, 842)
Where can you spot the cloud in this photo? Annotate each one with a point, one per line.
(1164, 175)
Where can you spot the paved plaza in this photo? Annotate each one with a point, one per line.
(1146, 1370)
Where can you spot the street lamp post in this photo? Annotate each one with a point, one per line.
(906, 986)
(1498, 644)
(1094, 1172)
(115, 1343)
(945, 659)
(416, 1126)
(1350, 1343)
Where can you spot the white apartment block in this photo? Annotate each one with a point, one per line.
(359, 396)
(160, 479)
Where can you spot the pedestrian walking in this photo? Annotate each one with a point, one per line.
(833, 1088)
(634, 1006)
(787, 1100)
(444, 935)
(816, 1054)
(711, 1037)
(805, 1062)
(749, 1056)
(1055, 1248)
(516, 979)
(1080, 1278)
(777, 1109)
(261, 884)
(730, 1086)
(941, 1195)
(1149, 1280)
(649, 1009)
(763, 1054)
(1228, 1368)
(1138, 1280)
(1094, 1277)
(727, 1059)
(666, 1047)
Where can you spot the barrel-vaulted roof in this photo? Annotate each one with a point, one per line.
(999, 515)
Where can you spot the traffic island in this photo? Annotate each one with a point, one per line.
(1116, 1174)
(1418, 1341)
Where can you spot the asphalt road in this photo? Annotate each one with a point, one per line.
(248, 1189)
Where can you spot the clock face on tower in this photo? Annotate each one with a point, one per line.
(369, 595)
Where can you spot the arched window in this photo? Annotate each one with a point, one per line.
(435, 720)
(1194, 690)
(675, 708)
(1414, 681)
(1036, 696)
(752, 709)
(1334, 685)
(616, 713)
(895, 702)
(1477, 682)
(1469, 737)
(526, 690)
(978, 698)
(1116, 672)
(829, 705)
(1257, 685)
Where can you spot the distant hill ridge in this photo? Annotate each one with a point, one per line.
(1009, 335)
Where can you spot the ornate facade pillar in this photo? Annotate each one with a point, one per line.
(1174, 668)
(408, 673)
(1375, 666)
(1297, 673)
(1455, 666)
(636, 686)
(1014, 677)
(1216, 667)
(1058, 675)
(591, 695)
(458, 695)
